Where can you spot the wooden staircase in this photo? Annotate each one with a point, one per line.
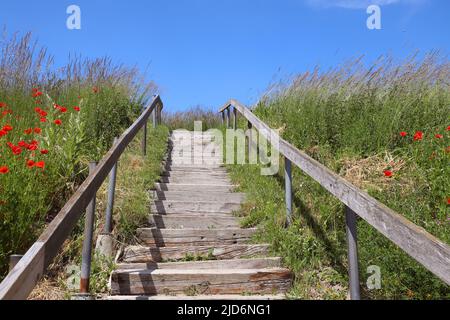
(194, 247)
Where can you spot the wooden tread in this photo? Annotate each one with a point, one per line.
(226, 281)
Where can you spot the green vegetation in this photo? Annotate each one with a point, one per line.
(185, 120)
(52, 122)
(351, 119)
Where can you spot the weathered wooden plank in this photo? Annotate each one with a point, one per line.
(191, 179)
(154, 254)
(168, 207)
(192, 221)
(13, 286)
(222, 187)
(228, 281)
(193, 237)
(256, 263)
(197, 196)
(429, 251)
(200, 297)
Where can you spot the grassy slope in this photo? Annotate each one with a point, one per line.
(135, 176)
(354, 130)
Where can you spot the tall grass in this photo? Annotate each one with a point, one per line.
(185, 119)
(350, 119)
(55, 121)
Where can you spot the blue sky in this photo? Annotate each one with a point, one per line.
(203, 52)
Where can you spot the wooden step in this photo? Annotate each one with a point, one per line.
(229, 297)
(193, 237)
(197, 196)
(220, 252)
(173, 207)
(257, 263)
(193, 221)
(197, 169)
(216, 188)
(194, 282)
(191, 179)
(195, 175)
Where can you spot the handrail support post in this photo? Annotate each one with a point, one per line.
(352, 242)
(288, 187)
(87, 242)
(111, 194)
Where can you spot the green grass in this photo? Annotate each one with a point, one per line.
(84, 104)
(350, 119)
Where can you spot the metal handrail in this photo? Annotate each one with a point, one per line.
(24, 276)
(426, 249)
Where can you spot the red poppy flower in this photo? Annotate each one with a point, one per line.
(37, 130)
(30, 163)
(43, 120)
(3, 133)
(44, 151)
(38, 110)
(388, 173)
(7, 128)
(76, 108)
(3, 105)
(40, 164)
(22, 144)
(63, 109)
(418, 136)
(439, 136)
(28, 131)
(403, 134)
(37, 94)
(448, 128)
(4, 169)
(16, 150)
(58, 122)
(43, 113)
(448, 201)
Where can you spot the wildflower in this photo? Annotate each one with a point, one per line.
(63, 109)
(40, 164)
(30, 163)
(43, 120)
(418, 136)
(22, 144)
(388, 173)
(403, 134)
(448, 128)
(7, 128)
(3, 133)
(439, 136)
(28, 131)
(38, 130)
(38, 110)
(4, 169)
(58, 122)
(43, 113)
(37, 94)
(76, 108)
(3, 105)
(44, 151)
(448, 201)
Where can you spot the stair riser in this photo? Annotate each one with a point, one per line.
(220, 252)
(218, 188)
(165, 207)
(218, 265)
(261, 282)
(196, 196)
(192, 222)
(191, 179)
(190, 237)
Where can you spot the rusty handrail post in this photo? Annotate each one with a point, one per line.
(352, 242)
(111, 191)
(288, 187)
(87, 242)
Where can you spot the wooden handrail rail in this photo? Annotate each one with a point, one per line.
(426, 249)
(19, 283)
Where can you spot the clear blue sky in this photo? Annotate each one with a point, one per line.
(202, 52)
